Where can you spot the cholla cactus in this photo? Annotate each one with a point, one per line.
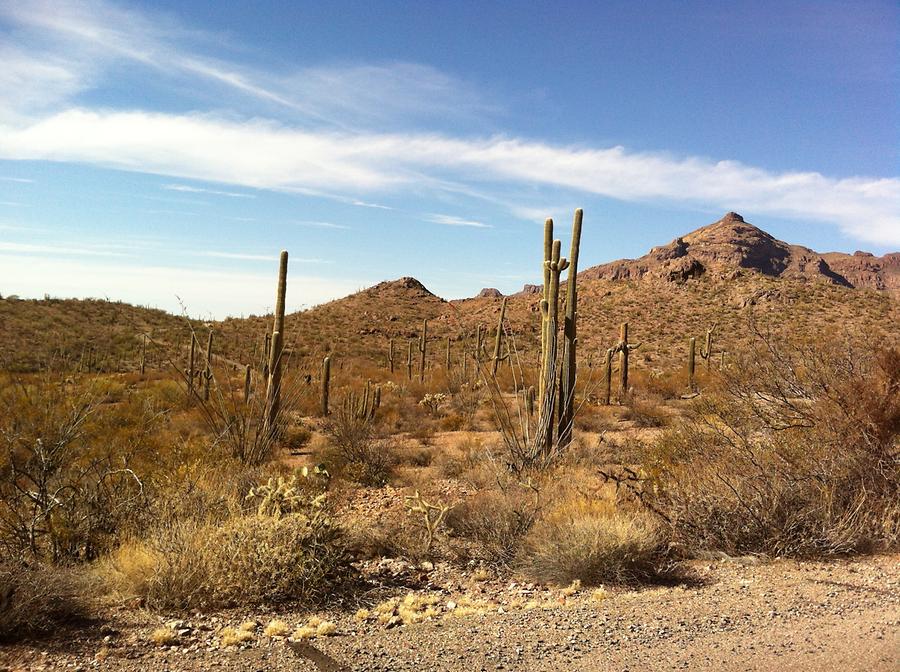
(433, 402)
(282, 496)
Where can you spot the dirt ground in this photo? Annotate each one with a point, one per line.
(727, 614)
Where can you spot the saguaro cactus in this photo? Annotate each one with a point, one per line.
(247, 384)
(143, 353)
(529, 401)
(498, 340)
(423, 342)
(607, 374)
(409, 364)
(273, 390)
(190, 369)
(706, 351)
(692, 361)
(207, 374)
(550, 314)
(624, 348)
(567, 374)
(326, 384)
(267, 351)
(391, 355)
(548, 254)
(447, 357)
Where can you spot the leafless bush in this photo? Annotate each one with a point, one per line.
(796, 454)
(37, 600)
(364, 456)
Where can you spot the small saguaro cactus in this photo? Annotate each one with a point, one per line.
(326, 384)
(247, 384)
(447, 357)
(143, 353)
(479, 344)
(529, 401)
(390, 357)
(267, 349)
(190, 369)
(706, 350)
(498, 340)
(273, 390)
(207, 374)
(607, 374)
(409, 364)
(423, 343)
(624, 348)
(692, 361)
(376, 402)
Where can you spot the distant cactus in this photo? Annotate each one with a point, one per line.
(390, 358)
(529, 401)
(247, 384)
(706, 351)
(143, 353)
(423, 343)
(624, 348)
(692, 361)
(190, 368)
(498, 340)
(447, 357)
(409, 361)
(207, 374)
(607, 374)
(326, 384)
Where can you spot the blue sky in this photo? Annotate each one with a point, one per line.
(163, 153)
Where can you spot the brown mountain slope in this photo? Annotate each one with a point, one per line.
(863, 269)
(730, 246)
(724, 273)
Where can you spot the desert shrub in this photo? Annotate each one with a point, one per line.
(645, 412)
(37, 600)
(249, 560)
(591, 541)
(67, 484)
(494, 522)
(358, 452)
(796, 455)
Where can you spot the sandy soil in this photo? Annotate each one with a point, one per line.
(729, 615)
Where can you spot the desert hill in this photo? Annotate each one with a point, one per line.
(731, 245)
(724, 274)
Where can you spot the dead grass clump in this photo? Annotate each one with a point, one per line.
(246, 560)
(591, 541)
(493, 523)
(645, 412)
(355, 449)
(37, 600)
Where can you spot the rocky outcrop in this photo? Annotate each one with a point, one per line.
(490, 293)
(732, 245)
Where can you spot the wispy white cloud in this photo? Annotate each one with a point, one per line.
(12, 204)
(265, 154)
(320, 225)
(16, 179)
(259, 257)
(199, 190)
(364, 204)
(451, 220)
(65, 250)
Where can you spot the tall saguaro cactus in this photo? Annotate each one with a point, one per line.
(273, 390)
(498, 340)
(423, 344)
(549, 357)
(447, 356)
(624, 348)
(567, 375)
(548, 253)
